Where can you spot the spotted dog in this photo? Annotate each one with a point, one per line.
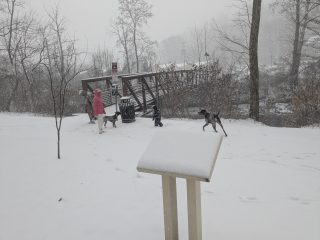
(211, 119)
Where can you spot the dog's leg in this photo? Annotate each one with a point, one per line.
(205, 126)
(114, 124)
(105, 123)
(223, 129)
(214, 126)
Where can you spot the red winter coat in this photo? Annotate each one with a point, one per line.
(98, 107)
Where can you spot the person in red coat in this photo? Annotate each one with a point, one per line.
(98, 108)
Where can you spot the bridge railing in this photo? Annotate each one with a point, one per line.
(145, 89)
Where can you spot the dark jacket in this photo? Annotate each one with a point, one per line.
(156, 114)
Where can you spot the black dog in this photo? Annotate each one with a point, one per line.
(213, 119)
(112, 119)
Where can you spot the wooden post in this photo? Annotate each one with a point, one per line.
(84, 86)
(194, 209)
(124, 88)
(157, 91)
(170, 207)
(143, 95)
(108, 83)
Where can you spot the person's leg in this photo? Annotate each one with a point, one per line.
(160, 123)
(100, 123)
(157, 122)
(91, 118)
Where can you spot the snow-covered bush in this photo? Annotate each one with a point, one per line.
(211, 88)
(306, 103)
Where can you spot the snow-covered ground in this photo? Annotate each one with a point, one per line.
(266, 182)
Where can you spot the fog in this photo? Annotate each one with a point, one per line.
(90, 20)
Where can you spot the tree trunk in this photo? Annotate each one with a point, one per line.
(127, 59)
(254, 64)
(12, 95)
(32, 98)
(58, 132)
(135, 48)
(300, 30)
(294, 69)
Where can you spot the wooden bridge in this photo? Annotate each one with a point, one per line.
(145, 89)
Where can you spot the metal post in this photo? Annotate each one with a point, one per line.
(117, 98)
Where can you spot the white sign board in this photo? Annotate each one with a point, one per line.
(182, 154)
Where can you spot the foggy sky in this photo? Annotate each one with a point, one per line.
(90, 20)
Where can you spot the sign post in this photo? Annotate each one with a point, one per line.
(114, 87)
(179, 157)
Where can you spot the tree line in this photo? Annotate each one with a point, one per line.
(40, 59)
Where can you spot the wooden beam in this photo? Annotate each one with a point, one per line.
(194, 209)
(148, 88)
(89, 80)
(127, 83)
(124, 88)
(170, 210)
(84, 86)
(137, 76)
(159, 82)
(143, 95)
(157, 91)
(90, 88)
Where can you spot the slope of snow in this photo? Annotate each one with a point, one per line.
(266, 182)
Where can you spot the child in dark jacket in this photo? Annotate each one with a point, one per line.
(156, 117)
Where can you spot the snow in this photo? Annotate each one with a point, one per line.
(181, 153)
(265, 185)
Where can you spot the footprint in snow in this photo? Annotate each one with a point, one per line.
(119, 169)
(209, 192)
(272, 161)
(249, 199)
(301, 201)
(294, 199)
(311, 168)
(109, 160)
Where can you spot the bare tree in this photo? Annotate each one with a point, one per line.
(245, 45)
(121, 29)
(147, 54)
(10, 41)
(254, 64)
(101, 62)
(61, 64)
(136, 14)
(30, 56)
(199, 43)
(237, 40)
(303, 14)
